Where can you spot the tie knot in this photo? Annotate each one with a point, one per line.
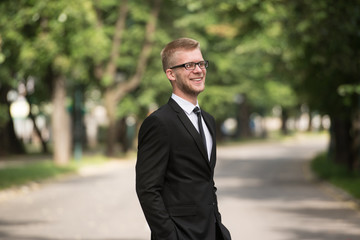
(197, 111)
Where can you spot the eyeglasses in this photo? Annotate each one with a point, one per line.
(192, 65)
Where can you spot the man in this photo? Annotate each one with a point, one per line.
(175, 165)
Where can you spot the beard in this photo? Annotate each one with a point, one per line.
(184, 85)
(189, 90)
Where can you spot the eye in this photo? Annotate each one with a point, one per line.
(189, 65)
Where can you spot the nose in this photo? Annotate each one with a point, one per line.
(197, 68)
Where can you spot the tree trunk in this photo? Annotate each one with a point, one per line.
(342, 141)
(243, 119)
(9, 142)
(110, 106)
(310, 122)
(356, 141)
(284, 119)
(37, 130)
(60, 122)
(122, 134)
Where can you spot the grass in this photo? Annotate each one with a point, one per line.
(37, 171)
(272, 136)
(337, 174)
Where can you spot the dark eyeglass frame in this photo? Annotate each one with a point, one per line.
(187, 67)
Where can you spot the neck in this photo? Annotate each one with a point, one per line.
(189, 98)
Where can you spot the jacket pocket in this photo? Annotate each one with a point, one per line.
(180, 211)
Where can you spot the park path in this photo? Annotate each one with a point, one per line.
(264, 192)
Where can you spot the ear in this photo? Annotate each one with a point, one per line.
(170, 74)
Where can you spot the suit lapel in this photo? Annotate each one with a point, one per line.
(189, 127)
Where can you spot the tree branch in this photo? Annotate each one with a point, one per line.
(125, 87)
(119, 30)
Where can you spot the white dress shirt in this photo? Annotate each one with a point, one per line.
(188, 108)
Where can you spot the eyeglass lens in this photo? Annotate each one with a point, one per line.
(192, 65)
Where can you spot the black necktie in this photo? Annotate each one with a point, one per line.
(201, 130)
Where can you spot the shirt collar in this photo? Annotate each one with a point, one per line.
(187, 106)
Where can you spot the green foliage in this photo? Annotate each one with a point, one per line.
(128, 106)
(337, 174)
(61, 35)
(240, 57)
(325, 52)
(349, 89)
(280, 94)
(327, 169)
(139, 12)
(215, 96)
(243, 59)
(15, 176)
(283, 53)
(38, 171)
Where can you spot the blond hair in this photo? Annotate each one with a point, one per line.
(179, 44)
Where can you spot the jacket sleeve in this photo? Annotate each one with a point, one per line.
(152, 159)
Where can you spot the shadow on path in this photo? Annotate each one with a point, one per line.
(265, 194)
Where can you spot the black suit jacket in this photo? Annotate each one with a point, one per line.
(174, 177)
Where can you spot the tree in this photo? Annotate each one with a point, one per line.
(109, 71)
(325, 58)
(9, 52)
(48, 42)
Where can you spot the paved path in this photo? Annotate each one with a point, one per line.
(264, 194)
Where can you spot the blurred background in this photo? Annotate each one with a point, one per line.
(79, 77)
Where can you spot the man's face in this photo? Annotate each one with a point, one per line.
(187, 83)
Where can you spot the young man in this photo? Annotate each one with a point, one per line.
(177, 155)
